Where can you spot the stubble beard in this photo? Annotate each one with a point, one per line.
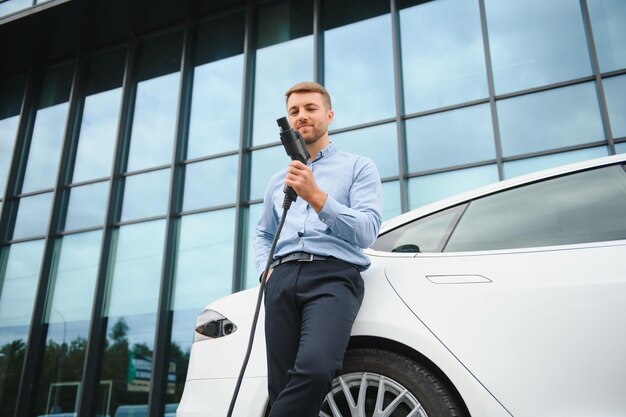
(316, 136)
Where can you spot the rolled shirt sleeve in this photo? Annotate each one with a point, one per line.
(360, 223)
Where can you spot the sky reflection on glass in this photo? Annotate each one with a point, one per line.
(615, 92)
(391, 199)
(12, 6)
(216, 107)
(536, 42)
(359, 71)
(430, 188)
(87, 205)
(278, 68)
(204, 259)
(550, 119)
(443, 59)
(74, 277)
(32, 216)
(98, 133)
(451, 138)
(135, 277)
(265, 163)
(145, 195)
(211, 183)
(154, 122)
(525, 166)
(608, 18)
(369, 142)
(20, 284)
(45, 148)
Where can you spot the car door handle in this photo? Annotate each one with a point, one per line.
(458, 279)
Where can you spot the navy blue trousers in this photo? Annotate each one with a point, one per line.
(309, 311)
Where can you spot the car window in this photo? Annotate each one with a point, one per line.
(588, 206)
(427, 234)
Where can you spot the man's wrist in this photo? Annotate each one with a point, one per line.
(318, 201)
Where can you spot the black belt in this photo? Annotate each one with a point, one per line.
(299, 257)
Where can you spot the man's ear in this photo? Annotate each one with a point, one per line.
(330, 115)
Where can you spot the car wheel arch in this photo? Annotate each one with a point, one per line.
(374, 342)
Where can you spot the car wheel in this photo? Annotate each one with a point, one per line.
(377, 383)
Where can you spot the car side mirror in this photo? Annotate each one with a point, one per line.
(407, 248)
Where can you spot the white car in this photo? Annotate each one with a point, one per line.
(505, 301)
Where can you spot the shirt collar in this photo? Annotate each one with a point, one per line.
(327, 150)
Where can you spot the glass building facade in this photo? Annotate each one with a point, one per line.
(132, 173)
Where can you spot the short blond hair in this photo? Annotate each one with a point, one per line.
(310, 87)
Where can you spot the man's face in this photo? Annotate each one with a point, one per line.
(309, 116)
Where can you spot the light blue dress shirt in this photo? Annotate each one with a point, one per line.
(348, 222)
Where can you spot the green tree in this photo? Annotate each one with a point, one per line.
(11, 360)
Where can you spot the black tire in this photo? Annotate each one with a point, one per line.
(426, 396)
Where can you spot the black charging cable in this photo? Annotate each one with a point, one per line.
(297, 150)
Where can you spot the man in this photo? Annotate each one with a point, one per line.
(314, 289)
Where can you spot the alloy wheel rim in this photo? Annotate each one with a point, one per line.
(367, 394)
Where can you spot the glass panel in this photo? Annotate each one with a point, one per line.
(19, 270)
(391, 199)
(549, 120)
(253, 216)
(427, 234)
(211, 183)
(204, 259)
(620, 147)
(204, 266)
(145, 195)
(430, 188)
(536, 42)
(615, 92)
(8, 132)
(156, 102)
(100, 118)
(32, 216)
(368, 142)
(451, 138)
(217, 87)
(204, 272)
(524, 166)
(72, 291)
(45, 148)
(583, 207)
(12, 6)
(443, 59)
(87, 206)
(284, 58)
(134, 281)
(10, 108)
(265, 163)
(609, 32)
(48, 131)
(358, 59)
(216, 107)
